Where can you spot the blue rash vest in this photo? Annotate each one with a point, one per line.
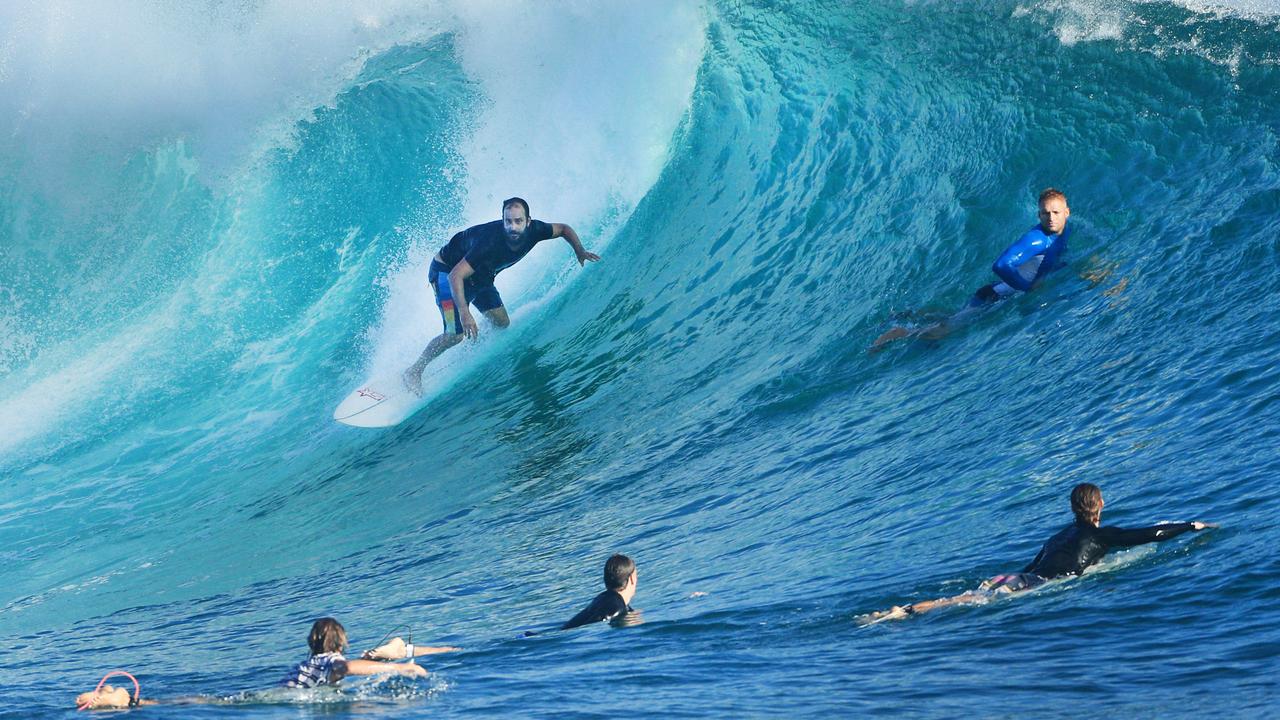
(1032, 257)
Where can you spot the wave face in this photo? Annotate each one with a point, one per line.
(216, 222)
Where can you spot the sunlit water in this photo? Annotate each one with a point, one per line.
(214, 224)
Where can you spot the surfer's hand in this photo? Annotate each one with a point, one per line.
(1202, 525)
(412, 668)
(584, 257)
(469, 327)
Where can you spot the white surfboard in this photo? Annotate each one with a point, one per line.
(376, 404)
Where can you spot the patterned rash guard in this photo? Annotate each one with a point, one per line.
(317, 670)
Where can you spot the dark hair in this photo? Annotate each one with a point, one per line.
(327, 635)
(516, 201)
(1086, 503)
(617, 570)
(1051, 194)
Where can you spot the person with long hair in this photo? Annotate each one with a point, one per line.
(326, 664)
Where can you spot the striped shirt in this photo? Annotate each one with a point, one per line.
(314, 670)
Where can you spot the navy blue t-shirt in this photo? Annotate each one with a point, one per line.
(489, 249)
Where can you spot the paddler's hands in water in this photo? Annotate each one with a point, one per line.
(469, 327)
(411, 669)
(584, 257)
(1202, 525)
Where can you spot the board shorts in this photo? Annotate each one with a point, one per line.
(484, 297)
(1008, 584)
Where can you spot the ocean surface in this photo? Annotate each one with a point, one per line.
(216, 219)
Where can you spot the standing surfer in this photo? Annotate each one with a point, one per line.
(462, 274)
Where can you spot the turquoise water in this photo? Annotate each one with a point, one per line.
(198, 262)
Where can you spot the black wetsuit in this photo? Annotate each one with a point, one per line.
(608, 605)
(1079, 545)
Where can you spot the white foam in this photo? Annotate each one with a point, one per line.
(1246, 8)
(593, 91)
(1091, 20)
(128, 73)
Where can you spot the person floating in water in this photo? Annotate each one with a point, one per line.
(1069, 552)
(614, 603)
(110, 696)
(1020, 268)
(462, 274)
(327, 666)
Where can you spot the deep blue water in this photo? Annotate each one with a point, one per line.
(215, 223)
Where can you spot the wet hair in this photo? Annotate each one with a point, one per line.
(1051, 194)
(516, 201)
(617, 570)
(327, 635)
(1086, 503)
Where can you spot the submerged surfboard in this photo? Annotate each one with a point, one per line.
(377, 404)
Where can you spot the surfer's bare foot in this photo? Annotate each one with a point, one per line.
(889, 336)
(413, 381)
(897, 612)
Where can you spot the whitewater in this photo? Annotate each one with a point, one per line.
(216, 221)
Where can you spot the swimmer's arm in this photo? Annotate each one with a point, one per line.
(457, 283)
(433, 649)
(372, 667)
(1129, 537)
(1006, 266)
(571, 237)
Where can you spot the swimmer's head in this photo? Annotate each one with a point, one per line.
(515, 217)
(109, 696)
(327, 635)
(1053, 211)
(619, 571)
(1086, 503)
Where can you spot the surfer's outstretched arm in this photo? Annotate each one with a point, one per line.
(373, 667)
(571, 237)
(1128, 537)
